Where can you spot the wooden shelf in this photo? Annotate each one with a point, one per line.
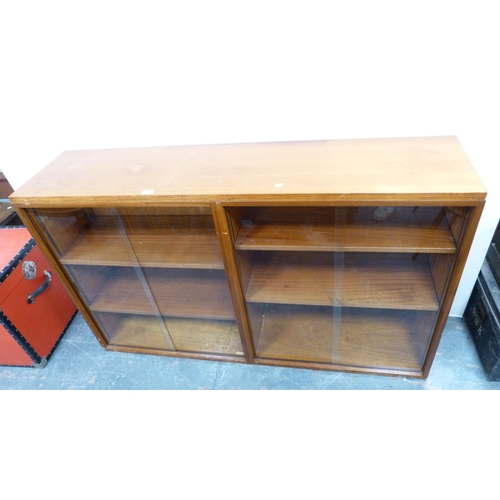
(423, 230)
(101, 244)
(392, 281)
(192, 335)
(383, 339)
(183, 293)
(362, 338)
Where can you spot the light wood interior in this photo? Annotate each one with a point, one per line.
(177, 246)
(176, 292)
(366, 280)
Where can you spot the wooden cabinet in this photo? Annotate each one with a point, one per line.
(334, 255)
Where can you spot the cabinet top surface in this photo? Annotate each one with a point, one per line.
(356, 168)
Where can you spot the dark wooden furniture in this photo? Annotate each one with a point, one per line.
(267, 253)
(5, 187)
(7, 213)
(482, 313)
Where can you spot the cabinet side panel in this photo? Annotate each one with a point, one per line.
(464, 244)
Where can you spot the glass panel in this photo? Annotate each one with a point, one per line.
(178, 252)
(349, 286)
(94, 248)
(153, 278)
(289, 299)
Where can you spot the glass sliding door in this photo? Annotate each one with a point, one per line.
(345, 286)
(152, 277)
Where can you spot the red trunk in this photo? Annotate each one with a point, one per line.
(29, 332)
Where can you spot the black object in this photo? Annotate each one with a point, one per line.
(12, 220)
(483, 319)
(493, 255)
(8, 216)
(31, 297)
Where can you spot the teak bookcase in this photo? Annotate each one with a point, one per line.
(268, 253)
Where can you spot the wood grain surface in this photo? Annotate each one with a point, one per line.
(398, 168)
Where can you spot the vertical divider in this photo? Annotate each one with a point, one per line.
(226, 237)
(338, 284)
(140, 275)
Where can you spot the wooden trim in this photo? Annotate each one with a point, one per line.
(309, 365)
(321, 199)
(179, 354)
(226, 238)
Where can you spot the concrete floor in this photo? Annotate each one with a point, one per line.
(79, 362)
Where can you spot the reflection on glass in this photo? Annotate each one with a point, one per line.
(153, 278)
(349, 286)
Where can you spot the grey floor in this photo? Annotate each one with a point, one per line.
(79, 362)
